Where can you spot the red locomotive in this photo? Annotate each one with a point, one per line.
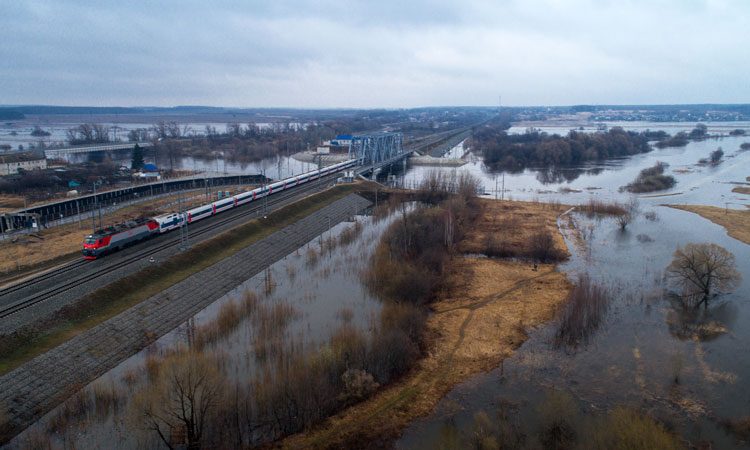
(118, 236)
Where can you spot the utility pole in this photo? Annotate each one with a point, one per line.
(184, 232)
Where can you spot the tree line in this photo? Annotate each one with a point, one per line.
(539, 149)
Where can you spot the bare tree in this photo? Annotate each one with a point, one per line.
(181, 399)
(701, 270)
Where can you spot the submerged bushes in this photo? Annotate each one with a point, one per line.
(559, 423)
(651, 179)
(409, 262)
(584, 311)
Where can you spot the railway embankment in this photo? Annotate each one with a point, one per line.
(29, 391)
(54, 291)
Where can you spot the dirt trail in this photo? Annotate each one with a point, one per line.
(486, 314)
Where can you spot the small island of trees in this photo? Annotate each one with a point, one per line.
(538, 149)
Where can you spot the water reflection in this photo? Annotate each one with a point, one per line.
(703, 324)
(558, 175)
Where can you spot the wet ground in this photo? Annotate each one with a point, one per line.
(688, 369)
(633, 359)
(318, 288)
(696, 184)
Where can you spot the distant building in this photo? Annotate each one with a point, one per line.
(11, 162)
(342, 140)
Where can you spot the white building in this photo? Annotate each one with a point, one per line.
(10, 163)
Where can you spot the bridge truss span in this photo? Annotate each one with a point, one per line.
(373, 149)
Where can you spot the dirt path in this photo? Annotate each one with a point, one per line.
(485, 314)
(470, 332)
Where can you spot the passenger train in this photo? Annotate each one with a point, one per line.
(113, 238)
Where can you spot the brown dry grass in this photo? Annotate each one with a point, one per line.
(10, 202)
(742, 190)
(479, 322)
(512, 224)
(736, 222)
(57, 244)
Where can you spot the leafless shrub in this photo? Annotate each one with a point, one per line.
(229, 317)
(593, 207)
(651, 179)
(130, 378)
(349, 234)
(651, 216)
(497, 247)
(438, 185)
(345, 315)
(644, 238)
(542, 247)
(74, 409)
(152, 365)
(291, 271)
(558, 416)
(408, 263)
(358, 384)
(312, 256)
(583, 313)
(623, 220)
(107, 399)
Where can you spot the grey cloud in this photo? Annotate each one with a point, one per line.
(365, 53)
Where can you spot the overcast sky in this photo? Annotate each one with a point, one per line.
(379, 53)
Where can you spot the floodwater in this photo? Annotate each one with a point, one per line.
(689, 370)
(647, 354)
(277, 167)
(18, 132)
(696, 184)
(321, 287)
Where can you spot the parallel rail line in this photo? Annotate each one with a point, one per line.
(149, 250)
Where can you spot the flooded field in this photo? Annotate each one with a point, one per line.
(297, 304)
(696, 184)
(18, 132)
(687, 368)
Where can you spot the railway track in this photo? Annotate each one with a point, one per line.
(209, 227)
(67, 267)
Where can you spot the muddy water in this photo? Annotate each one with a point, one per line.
(648, 354)
(323, 292)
